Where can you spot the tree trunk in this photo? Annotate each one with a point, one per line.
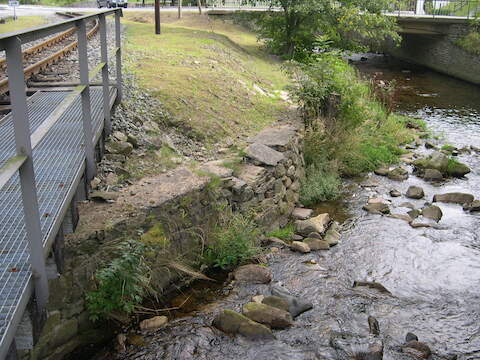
(199, 6)
(179, 9)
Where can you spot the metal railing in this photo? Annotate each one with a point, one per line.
(22, 161)
(466, 9)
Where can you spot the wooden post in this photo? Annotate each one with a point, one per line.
(157, 17)
(179, 9)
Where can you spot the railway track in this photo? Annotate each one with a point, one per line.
(40, 56)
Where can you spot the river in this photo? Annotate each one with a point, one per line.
(433, 275)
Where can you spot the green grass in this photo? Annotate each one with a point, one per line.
(23, 22)
(284, 233)
(232, 242)
(448, 147)
(204, 71)
(320, 184)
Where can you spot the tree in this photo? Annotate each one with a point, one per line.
(348, 24)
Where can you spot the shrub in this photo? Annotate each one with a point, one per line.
(121, 285)
(363, 133)
(232, 242)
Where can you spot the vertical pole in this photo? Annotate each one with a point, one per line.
(105, 80)
(18, 98)
(118, 59)
(86, 109)
(179, 9)
(157, 17)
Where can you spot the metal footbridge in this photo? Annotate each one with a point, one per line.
(47, 150)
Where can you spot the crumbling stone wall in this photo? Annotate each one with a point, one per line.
(184, 204)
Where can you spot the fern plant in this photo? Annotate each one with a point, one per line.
(122, 284)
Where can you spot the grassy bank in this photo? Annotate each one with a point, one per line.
(213, 77)
(21, 23)
(361, 136)
(470, 43)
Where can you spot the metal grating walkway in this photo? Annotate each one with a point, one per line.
(59, 163)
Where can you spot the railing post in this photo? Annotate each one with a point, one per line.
(18, 98)
(118, 60)
(86, 107)
(105, 80)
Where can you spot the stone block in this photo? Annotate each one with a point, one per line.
(263, 154)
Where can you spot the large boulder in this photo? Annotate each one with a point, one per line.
(454, 197)
(232, 322)
(415, 192)
(316, 224)
(273, 317)
(302, 213)
(443, 164)
(252, 273)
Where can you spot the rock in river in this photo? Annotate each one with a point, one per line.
(302, 213)
(395, 193)
(316, 244)
(296, 305)
(232, 322)
(455, 197)
(252, 273)
(277, 301)
(383, 171)
(316, 224)
(398, 174)
(377, 208)
(432, 175)
(415, 192)
(473, 206)
(432, 212)
(300, 247)
(457, 169)
(273, 317)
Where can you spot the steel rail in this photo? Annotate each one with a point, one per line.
(51, 59)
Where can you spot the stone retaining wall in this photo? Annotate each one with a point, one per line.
(440, 53)
(184, 204)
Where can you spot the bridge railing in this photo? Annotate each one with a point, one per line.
(25, 141)
(468, 9)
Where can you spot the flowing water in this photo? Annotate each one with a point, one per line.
(433, 275)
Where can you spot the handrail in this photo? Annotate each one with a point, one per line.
(38, 32)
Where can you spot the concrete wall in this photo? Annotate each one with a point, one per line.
(185, 203)
(440, 53)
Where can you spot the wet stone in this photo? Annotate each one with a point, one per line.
(316, 244)
(432, 175)
(455, 198)
(297, 306)
(473, 206)
(300, 247)
(415, 192)
(302, 213)
(232, 322)
(273, 317)
(316, 224)
(314, 235)
(277, 301)
(252, 273)
(383, 171)
(398, 174)
(395, 193)
(432, 212)
(377, 208)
